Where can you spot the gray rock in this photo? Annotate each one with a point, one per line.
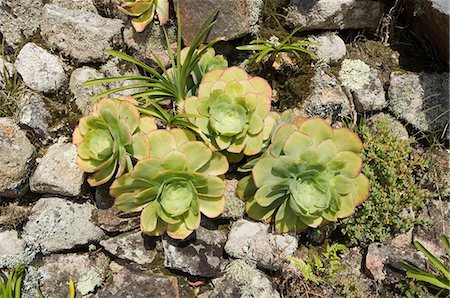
(383, 262)
(242, 279)
(198, 255)
(83, 5)
(437, 212)
(108, 9)
(395, 127)
(115, 68)
(133, 246)
(364, 84)
(330, 47)
(327, 98)
(58, 172)
(82, 35)
(13, 250)
(235, 18)
(16, 159)
(56, 224)
(83, 94)
(40, 70)
(252, 241)
(152, 41)
(234, 207)
(420, 99)
(32, 112)
(334, 15)
(402, 240)
(19, 19)
(88, 272)
(112, 220)
(140, 284)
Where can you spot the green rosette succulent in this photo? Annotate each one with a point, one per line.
(309, 174)
(111, 138)
(234, 111)
(142, 12)
(175, 185)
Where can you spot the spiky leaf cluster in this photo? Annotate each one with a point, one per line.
(309, 174)
(175, 185)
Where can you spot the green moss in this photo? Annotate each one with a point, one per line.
(272, 16)
(395, 192)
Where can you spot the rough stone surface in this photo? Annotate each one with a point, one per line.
(133, 246)
(334, 14)
(16, 159)
(19, 19)
(439, 213)
(13, 250)
(152, 41)
(83, 94)
(58, 172)
(235, 18)
(383, 261)
(420, 99)
(234, 207)
(32, 112)
(40, 70)
(56, 224)
(115, 68)
(330, 47)
(396, 128)
(327, 98)
(251, 241)
(84, 5)
(430, 22)
(364, 84)
(112, 220)
(82, 35)
(140, 284)
(88, 271)
(199, 255)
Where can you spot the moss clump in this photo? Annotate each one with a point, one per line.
(395, 192)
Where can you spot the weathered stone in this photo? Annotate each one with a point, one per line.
(438, 212)
(402, 240)
(56, 224)
(251, 241)
(199, 255)
(234, 207)
(32, 112)
(330, 47)
(396, 128)
(420, 99)
(150, 42)
(84, 5)
(40, 70)
(19, 19)
(16, 159)
(364, 84)
(383, 262)
(115, 68)
(108, 9)
(83, 94)
(243, 283)
(430, 22)
(13, 250)
(58, 172)
(334, 14)
(88, 272)
(140, 284)
(235, 18)
(112, 220)
(326, 99)
(82, 35)
(133, 246)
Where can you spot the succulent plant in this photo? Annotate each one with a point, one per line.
(111, 138)
(310, 173)
(234, 109)
(143, 11)
(175, 185)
